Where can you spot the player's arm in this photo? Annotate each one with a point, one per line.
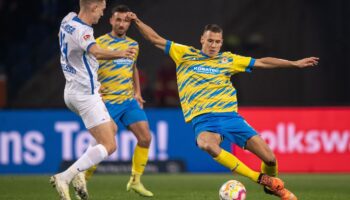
(104, 54)
(137, 87)
(269, 63)
(148, 32)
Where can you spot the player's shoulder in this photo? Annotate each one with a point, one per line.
(227, 53)
(184, 47)
(73, 20)
(69, 17)
(103, 38)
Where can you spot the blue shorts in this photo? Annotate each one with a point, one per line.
(126, 113)
(229, 125)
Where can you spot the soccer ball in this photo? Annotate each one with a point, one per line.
(232, 190)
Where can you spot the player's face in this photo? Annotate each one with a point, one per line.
(211, 43)
(120, 23)
(98, 9)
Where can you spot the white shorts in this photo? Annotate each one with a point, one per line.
(90, 108)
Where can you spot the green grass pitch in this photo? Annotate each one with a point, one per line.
(178, 187)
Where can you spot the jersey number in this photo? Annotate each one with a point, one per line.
(64, 51)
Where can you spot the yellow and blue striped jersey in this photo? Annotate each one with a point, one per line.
(204, 82)
(116, 76)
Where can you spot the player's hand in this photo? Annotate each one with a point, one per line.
(131, 16)
(139, 100)
(307, 62)
(102, 91)
(129, 53)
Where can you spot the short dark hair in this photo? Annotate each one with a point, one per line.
(83, 3)
(120, 8)
(213, 28)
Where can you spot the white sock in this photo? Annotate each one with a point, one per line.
(92, 156)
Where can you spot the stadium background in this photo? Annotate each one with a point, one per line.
(284, 104)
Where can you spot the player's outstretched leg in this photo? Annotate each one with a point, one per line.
(61, 186)
(80, 188)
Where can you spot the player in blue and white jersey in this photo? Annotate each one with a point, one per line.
(79, 54)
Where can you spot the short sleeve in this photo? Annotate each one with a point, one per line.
(175, 50)
(86, 39)
(242, 63)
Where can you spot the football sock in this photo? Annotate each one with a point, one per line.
(92, 156)
(139, 161)
(235, 165)
(269, 170)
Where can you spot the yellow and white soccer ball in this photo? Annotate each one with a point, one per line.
(232, 190)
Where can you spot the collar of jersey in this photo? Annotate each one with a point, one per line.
(206, 56)
(77, 19)
(116, 38)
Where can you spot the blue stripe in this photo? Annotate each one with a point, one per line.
(167, 47)
(89, 71)
(251, 65)
(107, 79)
(230, 104)
(125, 81)
(117, 66)
(89, 46)
(194, 95)
(187, 81)
(187, 114)
(204, 81)
(215, 93)
(211, 104)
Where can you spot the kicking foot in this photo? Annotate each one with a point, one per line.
(272, 183)
(62, 187)
(79, 185)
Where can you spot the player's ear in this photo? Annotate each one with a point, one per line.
(93, 7)
(111, 20)
(202, 39)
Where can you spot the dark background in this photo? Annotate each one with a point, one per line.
(31, 76)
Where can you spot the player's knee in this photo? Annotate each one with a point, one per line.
(145, 140)
(111, 147)
(205, 146)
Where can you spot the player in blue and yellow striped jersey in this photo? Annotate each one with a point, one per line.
(209, 101)
(120, 90)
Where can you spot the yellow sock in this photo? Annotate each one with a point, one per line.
(139, 161)
(230, 161)
(269, 170)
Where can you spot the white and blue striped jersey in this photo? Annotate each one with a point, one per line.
(79, 67)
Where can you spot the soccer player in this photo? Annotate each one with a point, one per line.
(79, 52)
(209, 101)
(120, 89)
